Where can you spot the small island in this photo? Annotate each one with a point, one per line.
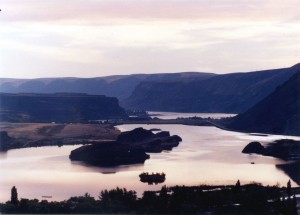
(284, 149)
(154, 178)
(129, 148)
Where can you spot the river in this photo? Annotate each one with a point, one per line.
(207, 155)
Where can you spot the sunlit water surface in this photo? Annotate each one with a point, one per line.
(206, 155)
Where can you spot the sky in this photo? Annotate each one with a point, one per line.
(92, 38)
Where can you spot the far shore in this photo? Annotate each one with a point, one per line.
(29, 134)
(59, 134)
(24, 135)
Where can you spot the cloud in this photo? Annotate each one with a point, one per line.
(92, 11)
(98, 37)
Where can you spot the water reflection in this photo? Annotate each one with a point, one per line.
(84, 167)
(292, 169)
(206, 155)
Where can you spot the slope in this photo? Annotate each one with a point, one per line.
(278, 113)
(120, 86)
(229, 93)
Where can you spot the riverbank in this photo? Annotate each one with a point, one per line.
(24, 135)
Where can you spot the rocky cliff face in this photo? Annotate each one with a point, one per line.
(60, 107)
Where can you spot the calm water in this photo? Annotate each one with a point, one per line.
(206, 155)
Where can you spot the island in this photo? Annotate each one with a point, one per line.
(285, 149)
(129, 148)
(153, 178)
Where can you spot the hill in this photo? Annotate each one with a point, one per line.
(278, 113)
(176, 92)
(59, 107)
(120, 86)
(228, 93)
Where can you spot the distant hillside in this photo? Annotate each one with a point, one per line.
(278, 113)
(176, 92)
(116, 86)
(61, 107)
(229, 93)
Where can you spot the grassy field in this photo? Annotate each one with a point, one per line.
(39, 134)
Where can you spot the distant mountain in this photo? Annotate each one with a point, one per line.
(110, 86)
(177, 92)
(278, 113)
(120, 86)
(229, 93)
(58, 107)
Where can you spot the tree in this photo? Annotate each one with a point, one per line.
(289, 189)
(14, 195)
(237, 191)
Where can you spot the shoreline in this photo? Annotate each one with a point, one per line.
(57, 139)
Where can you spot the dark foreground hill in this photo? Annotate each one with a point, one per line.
(229, 93)
(59, 107)
(278, 113)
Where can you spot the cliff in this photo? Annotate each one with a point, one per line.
(58, 107)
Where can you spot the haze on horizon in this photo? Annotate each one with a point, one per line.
(92, 38)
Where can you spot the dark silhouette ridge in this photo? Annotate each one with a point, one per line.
(278, 113)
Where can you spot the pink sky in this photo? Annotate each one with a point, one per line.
(89, 38)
